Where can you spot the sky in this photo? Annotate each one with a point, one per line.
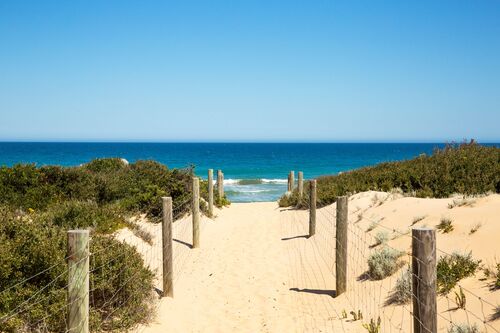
(330, 71)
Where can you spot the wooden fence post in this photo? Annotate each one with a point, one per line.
(341, 246)
(301, 183)
(424, 280)
(210, 192)
(312, 207)
(78, 281)
(196, 212)
(290, 181)
(222, 185)
(168, 273)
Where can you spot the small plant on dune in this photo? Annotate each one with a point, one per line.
(493, 273)
(356, 315)
(401, 294)
(372, 326)
(460, 298)
(372, 226)
(381, 237)
(463, 328)
(417, 219)
(445, 225)
(496, 313)
(383, 263)
(464, 202)
(453, 268)
(344, 314)
(475, 228)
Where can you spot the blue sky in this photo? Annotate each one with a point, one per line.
(250, 71)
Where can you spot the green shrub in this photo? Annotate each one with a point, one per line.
(445, 225)
(402, 292)
(468, 168)
(453, 268)
(384, 262)
(31, 246)
(381, 237)
(463, 328)
(493, 273)
(137, 187)
(85, 214)
(121, 287)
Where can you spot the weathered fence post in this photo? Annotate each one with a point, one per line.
(210, 192)
(196, 212)
(291, 180)
(424, 280)
(220, 184)
(312, 207)
(78, 281)
(341, 246)
(168, 287)
(300, 183)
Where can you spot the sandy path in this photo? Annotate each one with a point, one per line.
(236, 281)
(257, 272)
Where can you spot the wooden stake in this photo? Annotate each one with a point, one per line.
(78, 281)
(210, 192)
(301, 184)
(312, 207)
(196, 212)
(168, 273)
(341, 246)
(424, 280)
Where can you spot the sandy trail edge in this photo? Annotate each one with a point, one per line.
(255, 273)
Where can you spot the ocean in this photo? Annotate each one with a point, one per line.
(252, 171)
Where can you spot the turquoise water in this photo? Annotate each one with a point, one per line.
(252, 171)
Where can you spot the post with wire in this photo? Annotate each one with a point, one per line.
(196, 212)
(341, 246)
(168, 287)
(312, 207)
(300, 184)
(424, 275)
(210, 192)
(78, 281)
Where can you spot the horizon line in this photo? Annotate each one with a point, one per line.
(255, 141)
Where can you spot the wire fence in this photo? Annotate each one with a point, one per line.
(121, 267)
(379, 296)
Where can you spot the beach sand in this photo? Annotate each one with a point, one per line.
(256, 272)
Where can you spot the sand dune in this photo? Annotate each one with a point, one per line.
(256, 272)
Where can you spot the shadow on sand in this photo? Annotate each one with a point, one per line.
(331, 293)
(183, 243)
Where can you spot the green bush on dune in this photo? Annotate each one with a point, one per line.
(33, 246)
(468, 168)
(38, 206)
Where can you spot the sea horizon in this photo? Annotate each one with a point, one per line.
(254, 172)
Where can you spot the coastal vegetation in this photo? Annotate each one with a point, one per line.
(39, 204)
(453, 268)
(467, 168)
(384, 262)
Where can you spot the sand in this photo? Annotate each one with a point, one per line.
(256, 272)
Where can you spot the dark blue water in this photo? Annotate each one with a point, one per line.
(266, 163)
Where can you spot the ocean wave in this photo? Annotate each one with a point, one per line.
(254, 181)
